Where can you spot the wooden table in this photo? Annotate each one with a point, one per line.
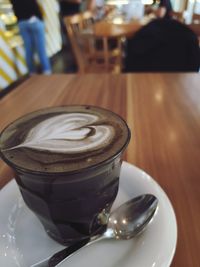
(106, 30)
(163, 112)
(111, 30)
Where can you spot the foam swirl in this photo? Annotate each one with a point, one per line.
(68, 133)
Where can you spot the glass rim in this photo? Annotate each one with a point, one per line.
(85, 169)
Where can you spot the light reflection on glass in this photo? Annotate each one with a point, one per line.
(10, 247)
(155, 214)
(124, 221)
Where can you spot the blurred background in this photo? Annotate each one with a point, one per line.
(59, 48)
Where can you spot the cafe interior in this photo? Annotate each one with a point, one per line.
(99, 38)
(141, 60)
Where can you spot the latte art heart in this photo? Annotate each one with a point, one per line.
(64, 139)
(69, 133)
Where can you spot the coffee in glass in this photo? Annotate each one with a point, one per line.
(67, 164)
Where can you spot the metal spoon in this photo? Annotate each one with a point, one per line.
(127, 221)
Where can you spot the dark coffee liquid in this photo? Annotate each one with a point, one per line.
(69, 173)
(69, 211)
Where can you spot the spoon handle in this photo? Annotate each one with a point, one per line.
(61, 255)
(66, 252)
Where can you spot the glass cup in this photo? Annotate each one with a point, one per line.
(69, 203)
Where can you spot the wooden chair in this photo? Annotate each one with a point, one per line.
(109, 51)
(196, 18)
(88, 18)
(89, 58)
(177, 15)
(74, 25)
(196, 29)
(195, 25)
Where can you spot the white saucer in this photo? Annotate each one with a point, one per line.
(23, 241)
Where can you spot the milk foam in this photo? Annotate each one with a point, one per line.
(69, 133)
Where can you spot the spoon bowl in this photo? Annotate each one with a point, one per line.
(132, 217)
(127, 221)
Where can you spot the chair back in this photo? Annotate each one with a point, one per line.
(195, 25)
(74, 25)
(88, 57)
(177, 16)
(195, 28)
(88, 18)
(196, 18)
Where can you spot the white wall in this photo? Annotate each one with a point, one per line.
(178, 5)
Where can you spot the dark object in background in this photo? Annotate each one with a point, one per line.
(26, 9)
(69, 7)
(163, 46)
(168, 6)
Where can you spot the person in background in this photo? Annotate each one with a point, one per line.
(32, 30)
(164, 10)
(69, 7)
(163, 45)
(161, 9)
(98, 8)
(134, 10)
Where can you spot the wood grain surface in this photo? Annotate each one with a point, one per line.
(108, 29)
(163, 112)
